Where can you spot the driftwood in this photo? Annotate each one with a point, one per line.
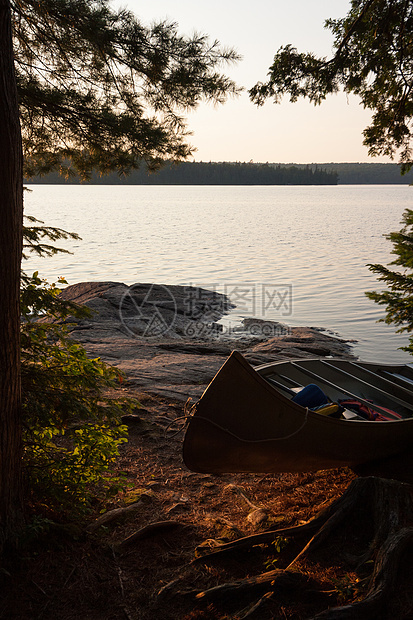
(369, 529)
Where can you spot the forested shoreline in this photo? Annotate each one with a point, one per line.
(238, 173)
(368, 173)
(212, 173)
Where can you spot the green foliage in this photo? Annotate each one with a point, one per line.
(98, 90)
(348, 588)
(33, 236)
(38, 297)
(279, 544)
(399, 298)
(373, 59)
(71, 431)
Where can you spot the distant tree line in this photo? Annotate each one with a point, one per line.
(212, 173)
(237, 173)
(374, 174)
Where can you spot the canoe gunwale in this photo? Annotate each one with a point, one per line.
(359, 367)
(301, 364)
(233, 425)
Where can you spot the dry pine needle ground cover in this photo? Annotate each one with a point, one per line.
(148, 563)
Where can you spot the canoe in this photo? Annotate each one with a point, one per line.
(246, 420)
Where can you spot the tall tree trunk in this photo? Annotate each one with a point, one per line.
(11, 220)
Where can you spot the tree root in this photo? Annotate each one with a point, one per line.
(247, 542)
(247, 612)
(384, 582)
(378, 505)
(272, 580)
(375, 516)
(269, 536)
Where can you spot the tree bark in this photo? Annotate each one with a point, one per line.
(11, 221)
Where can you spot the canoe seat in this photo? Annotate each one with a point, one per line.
(311, 396)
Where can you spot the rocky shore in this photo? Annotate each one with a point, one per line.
(167, 341)
(149, 551)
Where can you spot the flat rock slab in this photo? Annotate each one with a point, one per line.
(151, 310)
(181, 351)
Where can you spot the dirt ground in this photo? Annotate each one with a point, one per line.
(71, 573)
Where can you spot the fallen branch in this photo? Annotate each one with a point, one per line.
(116, 513)
(153, 529)
(122, 589)
(240, 492)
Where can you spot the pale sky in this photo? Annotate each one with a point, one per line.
(238, 130)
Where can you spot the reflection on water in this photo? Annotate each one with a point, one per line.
(315, 241)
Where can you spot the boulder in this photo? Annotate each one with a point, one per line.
(165, 338)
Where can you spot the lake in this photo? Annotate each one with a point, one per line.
(295, 254)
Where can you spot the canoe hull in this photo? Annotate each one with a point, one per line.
(242, 424)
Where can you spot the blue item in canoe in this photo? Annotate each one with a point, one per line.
(244, 422)
(311, 396)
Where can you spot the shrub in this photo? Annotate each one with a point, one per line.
(71, 427)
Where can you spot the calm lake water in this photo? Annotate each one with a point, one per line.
(293, 254)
